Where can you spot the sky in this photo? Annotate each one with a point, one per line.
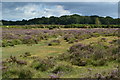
(28, 10)
(60, 0)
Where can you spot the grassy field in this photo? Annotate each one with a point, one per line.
(42, 51)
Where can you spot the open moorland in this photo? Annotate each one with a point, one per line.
(60, 53)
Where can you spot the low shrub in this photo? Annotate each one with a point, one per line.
(79, 62)
(29, 40)
(25, 73)
(103, 39)
(115, 50)
(4, 43)
(82, 55)
(10, 43)
(99, 51)
(84, 36)
(7, 43)
(112, 75)
(115, 41)
(101, 62)
(77, 54)
(95, 35)
(21, 62)
(43, 65)
(10, 73)
(17, 41)
(54, 76)
(13, 59)
(70, 38)
(17, 72)
(26, 54)
(78, 48)
(62, 68)
(54, 42)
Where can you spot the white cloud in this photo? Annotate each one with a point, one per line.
(32, 11)
(56, 11)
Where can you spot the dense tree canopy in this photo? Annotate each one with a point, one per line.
(97, 21)
(65, 20)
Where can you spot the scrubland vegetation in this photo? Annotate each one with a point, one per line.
(60, 53)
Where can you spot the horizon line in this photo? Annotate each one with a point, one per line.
(60, 16)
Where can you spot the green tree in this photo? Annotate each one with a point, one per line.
(0, 23)
(97, 21)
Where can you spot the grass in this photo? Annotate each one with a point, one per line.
(42, 49)
(96, 39)
(81, 72)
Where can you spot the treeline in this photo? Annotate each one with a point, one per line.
(66, 20)
(61, 26)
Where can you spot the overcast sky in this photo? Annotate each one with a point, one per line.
(29, 10)
(59, 0)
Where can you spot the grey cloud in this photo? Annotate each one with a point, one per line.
(57, 9)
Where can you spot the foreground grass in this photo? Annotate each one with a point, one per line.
(42, 50)
(82, 72)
